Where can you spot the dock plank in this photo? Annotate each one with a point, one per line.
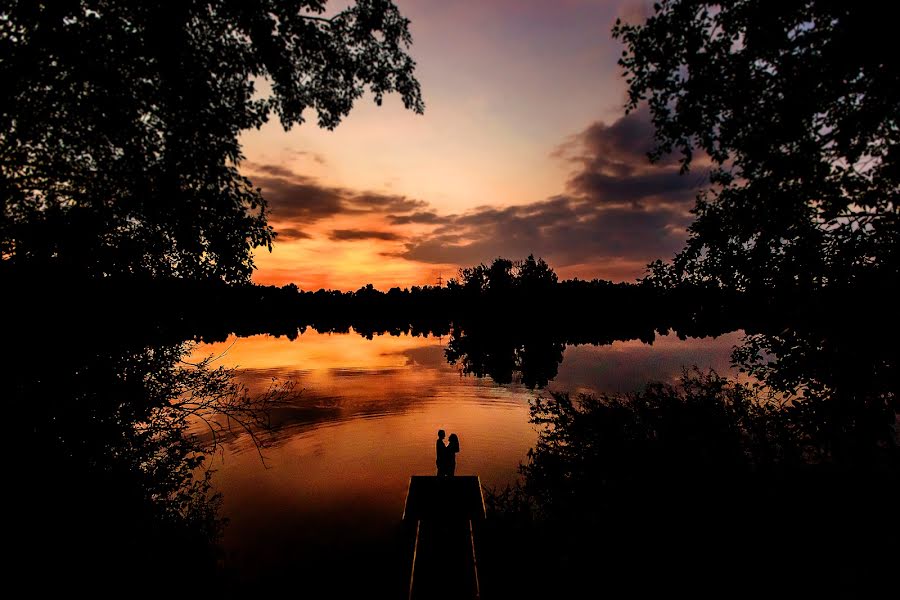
(446, 511)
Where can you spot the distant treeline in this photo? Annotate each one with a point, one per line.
(578, 310)
(506, 297)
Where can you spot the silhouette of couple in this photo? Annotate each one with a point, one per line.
(446, 454)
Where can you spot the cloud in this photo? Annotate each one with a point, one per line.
(298, 198)
(345, 235)
(288, 234)
(613, 165)
(301, 200)
(314, 156)
(427, 217)
(658, 187)
(564, 230)
(274, 170)
(374, 202)
(617, 212)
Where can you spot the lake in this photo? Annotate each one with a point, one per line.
(320, 505)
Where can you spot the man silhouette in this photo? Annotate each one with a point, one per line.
(441, 453)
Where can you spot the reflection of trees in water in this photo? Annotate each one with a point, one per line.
(506, 355)
(110, 480)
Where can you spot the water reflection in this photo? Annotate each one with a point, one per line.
(627, 366)
(364, 421)
(529, 356)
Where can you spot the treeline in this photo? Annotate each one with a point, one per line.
(506, 296)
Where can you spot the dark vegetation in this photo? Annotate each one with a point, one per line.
(108, 485)
(803, 201)
(120, 191)
(582, 311)
(120, 123)
(126, 228)
(708, 487)
(509, 321)
(711, 488)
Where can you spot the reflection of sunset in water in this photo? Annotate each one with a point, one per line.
(315, 351)
(365, 419)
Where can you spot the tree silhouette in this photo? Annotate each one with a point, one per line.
(119, 122)
(119, 182)
(504, 277)
(114, 438)
(534, 276)
(636, 494)
(795, 108)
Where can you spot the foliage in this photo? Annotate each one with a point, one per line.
(119, 122)
(794, 106)
(638, 493)
(597, 451)
(115, 469)
(504, 276)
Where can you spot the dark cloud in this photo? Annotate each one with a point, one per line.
(348, 235)
(664, 186)
(387, 203)
(286, 234)
(564, 230)
(273, 170)
(619, 210)
(614, 168)
(297, 198)
(427, 217)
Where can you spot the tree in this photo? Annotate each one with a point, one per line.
(505, 276)
(795, 106)
(626, 490)
(119, 122)
(128, 428)
(501, 278)
(535, 276)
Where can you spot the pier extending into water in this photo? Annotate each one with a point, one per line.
(447, 513)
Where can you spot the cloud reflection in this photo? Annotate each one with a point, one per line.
(341, 378)
(366, 419)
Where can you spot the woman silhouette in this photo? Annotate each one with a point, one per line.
(452, 449)
(441, 453)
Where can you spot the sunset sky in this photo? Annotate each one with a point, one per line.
(523, 148)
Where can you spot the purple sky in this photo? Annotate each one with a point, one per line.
(523, 148)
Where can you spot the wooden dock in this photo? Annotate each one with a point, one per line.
(447, 512)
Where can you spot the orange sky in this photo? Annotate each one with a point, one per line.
(522, 149)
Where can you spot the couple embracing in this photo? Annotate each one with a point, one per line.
(446, 454)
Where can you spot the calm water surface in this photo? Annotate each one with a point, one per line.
(332, 483)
